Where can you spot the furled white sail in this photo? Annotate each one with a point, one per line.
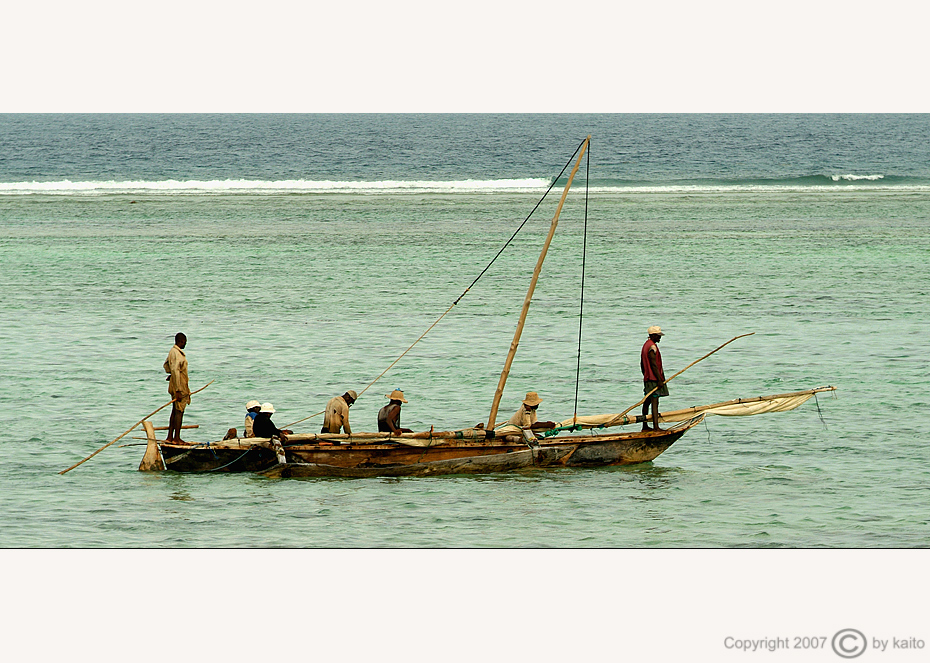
(740, 407)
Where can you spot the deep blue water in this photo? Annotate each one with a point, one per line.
(627, 149)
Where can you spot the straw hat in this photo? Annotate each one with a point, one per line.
(396, 395)
(251, 404)
(532, 398)
(267, 407)
(655, 329)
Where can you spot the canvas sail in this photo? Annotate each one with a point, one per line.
(740, 407)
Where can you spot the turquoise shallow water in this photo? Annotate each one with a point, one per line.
(294, 298)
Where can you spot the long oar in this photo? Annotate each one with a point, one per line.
(131, 429)
(682, 371)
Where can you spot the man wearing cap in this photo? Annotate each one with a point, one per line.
(263, 426)
(336, 416)
(252, 409)
(389, 415)
(650, 362)
(525, 417)
(176, 367)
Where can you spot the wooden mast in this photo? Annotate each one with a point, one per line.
(529, 294)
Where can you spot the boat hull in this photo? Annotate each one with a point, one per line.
(388, 460)
(215, 458)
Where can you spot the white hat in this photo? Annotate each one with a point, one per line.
(532, 398)
(251, 404)
(655, 329)
(267, 407)
(396, 395)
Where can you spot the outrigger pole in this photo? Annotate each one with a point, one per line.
(529, 295)
(131, 429)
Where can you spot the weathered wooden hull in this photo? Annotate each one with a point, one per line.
(214, 458)
(457, 457)
(498, 462)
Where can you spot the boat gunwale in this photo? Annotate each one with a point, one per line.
(680, 427)
(448, 443)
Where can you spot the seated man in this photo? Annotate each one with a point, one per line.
(389, 415)
(336, 415)
(251, 411)
(525, 417)
(263, 426)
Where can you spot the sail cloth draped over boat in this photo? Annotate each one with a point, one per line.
(740, 407)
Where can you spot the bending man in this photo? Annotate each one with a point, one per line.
(336, 416)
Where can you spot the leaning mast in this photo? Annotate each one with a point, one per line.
(529, 294)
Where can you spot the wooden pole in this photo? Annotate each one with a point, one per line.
(529, 294)
(682, 371)
(131, 429)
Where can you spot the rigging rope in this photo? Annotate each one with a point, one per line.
(483, 271)
(584, 253)
(562, 172)
(819, 413)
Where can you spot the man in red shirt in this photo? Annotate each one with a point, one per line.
(650, 362)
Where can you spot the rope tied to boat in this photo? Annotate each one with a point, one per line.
(584, 254)
(477, 278)
(483, 271)
(819, 413)
(561, 429)
(236, 460)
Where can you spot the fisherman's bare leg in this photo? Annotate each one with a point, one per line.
(655, 414)
(173, 425)
(177, 430)
(646, 414)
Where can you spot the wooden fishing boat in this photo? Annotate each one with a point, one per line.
(575, 442)
(415, 454)
(466, 451)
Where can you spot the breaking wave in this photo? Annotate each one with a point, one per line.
(855, 178)
(825, 182)
(67, 187)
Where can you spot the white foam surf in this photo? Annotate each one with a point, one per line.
(529, 185)
(854, 178)
(760, 188)
(67, 187)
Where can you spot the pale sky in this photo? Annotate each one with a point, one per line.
(481, 56)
